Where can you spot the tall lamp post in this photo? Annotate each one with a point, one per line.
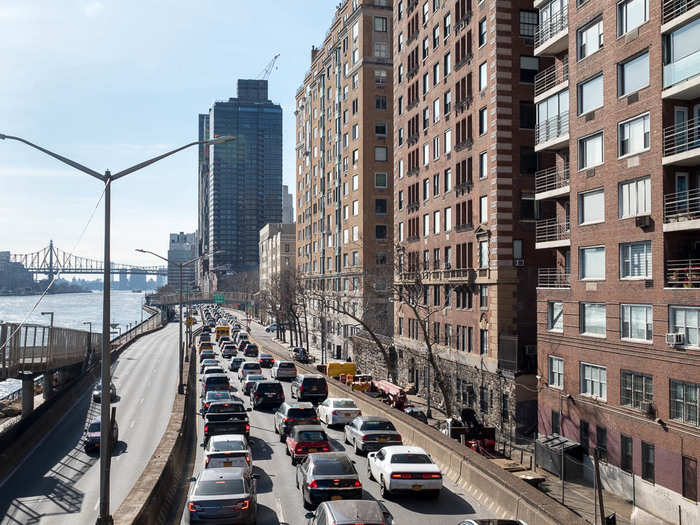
(107, 178)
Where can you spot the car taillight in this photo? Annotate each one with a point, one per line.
(357, 483)
(206, 461)
(282, 398)
(247, 427)
(206, 428)
(193, 507)
(313, 485)
(432, 476)
(301, 388)
(298, 449)
(325, 449)
(247, 458)
(288, 419)
(365, 438)
(398, 438)
(326, 388)
(206, 405)
(335, 412)
(401, 476)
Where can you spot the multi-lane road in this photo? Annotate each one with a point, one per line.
(58, 482)
(279, 501)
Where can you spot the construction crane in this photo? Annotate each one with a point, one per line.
(268, 69)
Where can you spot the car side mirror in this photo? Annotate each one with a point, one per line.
(310, 515)
(248, 409)
(192, 479)
(371, 454)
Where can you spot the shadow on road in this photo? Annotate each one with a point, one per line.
(448, 503)
(261, 450)
(267, 516)
(264, 483)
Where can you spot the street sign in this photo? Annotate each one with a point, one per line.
(218, 298)
(190, 321)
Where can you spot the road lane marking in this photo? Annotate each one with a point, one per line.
(97, 504)
(280, 510)
(132, 424)
(141, 402)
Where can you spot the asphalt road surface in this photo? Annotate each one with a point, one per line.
(58, 482)
(279, 501)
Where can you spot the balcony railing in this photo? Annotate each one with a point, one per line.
(679, 138)
(680, 70)
(551, 77)
(552, 128)
(682, 206)
(548, 230)
(683, 273)
(674, 8)
(551, 27)
(553, 278)
(551, 178)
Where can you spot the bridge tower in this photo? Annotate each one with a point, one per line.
(50, 261)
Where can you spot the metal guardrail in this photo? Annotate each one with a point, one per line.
(682, 205)
(675, 8)
(156, 320)
(551, 76)
(683, 273)
(679, 138)
(553, 278)
(552, 128)
(551, 178)
(551, 27)
(551, 230)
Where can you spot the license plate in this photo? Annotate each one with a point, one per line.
(336, 498)
(417, 487)
(228, 463)
(311, 450)
(314, 388)
(269, 395)
(382, 439)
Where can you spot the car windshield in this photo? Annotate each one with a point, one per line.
(344, 403)
(217, 380)
(213, 370)
(226, 407)
(270, 387)
(217, 395)
(220, 487)
(265, 356)
(314, 382)
(255, 377)
(228, 446)
(235, 461)
(250, 366)
(410, 458)
(378, 425)
(301, 412)
(286, 365)
(333, 467)
(311, 435)
(94, 427)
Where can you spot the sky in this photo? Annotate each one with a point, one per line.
(111, 83)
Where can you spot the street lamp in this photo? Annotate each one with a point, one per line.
(107, 178)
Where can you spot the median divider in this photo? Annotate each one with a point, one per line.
(495, 488)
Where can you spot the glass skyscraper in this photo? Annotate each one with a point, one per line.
(241, 190)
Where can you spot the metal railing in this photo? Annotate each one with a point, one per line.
(683, 273)
(681, 137)
(551, 178)
(682, 69)
(683, 205)
(156, 320)
(674, 8)
(553, 278)
(551, 230)
(551, 76)
(552, 128)
(551, 27)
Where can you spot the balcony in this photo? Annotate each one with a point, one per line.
(675, 13)
(553, 278)
(466, 144)
(552, 36)
(413, 171)
(553, 133)
(463, 227)
(682, 210)
(412, 207)
(551, 80)
(681, 78)
(682, 144)
(683, 273)
(552, 234)
(552, 182)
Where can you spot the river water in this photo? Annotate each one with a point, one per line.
(72, 309)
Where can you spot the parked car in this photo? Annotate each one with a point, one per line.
(350, 512)
(250, 350)
(416, 413)
(249, 368)
(267, 394)
(226, 417)
(338, 411)
(306, 439)
(228, 450)
(291, 414)
(404, 469)
(310, 387)
(283, 370)
(327, 476)
(97, 392)
(249, 381)
(271, 328)
(236, 363)
(369, 433)
(294, 352)
(215, 382)
(216, 395)
(266, 360)
(223, 495)
(92, 435)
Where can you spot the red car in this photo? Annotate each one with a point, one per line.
(306, 439)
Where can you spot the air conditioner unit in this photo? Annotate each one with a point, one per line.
(519, 262)
(649, 409)
(642, 221)
(675, 339)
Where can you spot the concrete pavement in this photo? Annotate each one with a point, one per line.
(58, 482)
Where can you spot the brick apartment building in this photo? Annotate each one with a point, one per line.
(464, 201)
(344, 174)
(618, 302)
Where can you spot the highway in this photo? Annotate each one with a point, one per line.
(279, 501)
(58, 482)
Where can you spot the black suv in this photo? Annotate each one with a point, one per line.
(310, 387)
(267, 394)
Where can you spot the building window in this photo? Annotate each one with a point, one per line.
(482, 32)
(426, 225)
(380, 24)
(448, 219)
(446, 25)
(593, 381)
(636, 322)
(483, 165)
(556, 371)
(529, 66)
(448, 180)
(626, 448)
(528, 207)
(690, 478)
(590, 151)
(380, 77)
(635, 389)
(483, 296)
(635, 260)
(584, 436)
(380, 231)
(684, 402)
(355, 182)
(380, 153)
(436, 222)
(634, 198)
(483, 76)
(483, 209)
(483, 342)
(590, 94)
(482, 120)
(601, 440)
(556, 427)
(591, 207)
(528, 23)
(483, 399)
(380, 103)
(685, 320)
(555, 316)
(633, 136)
(592, 263)
(436, 36)
(592, 319)
(631, 14)
(529, 160)
(633, 74)
(381, 50)
(355, 233)
(380, 206)
(401, 237)
(528, 115)
(380, 180)
(589, 38)
(483, 254)
(436, 147)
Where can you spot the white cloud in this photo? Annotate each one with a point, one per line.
(93, 8)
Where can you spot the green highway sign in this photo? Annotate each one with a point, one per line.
(218, 298)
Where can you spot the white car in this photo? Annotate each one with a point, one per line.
(284, 370)
(338, 411)
(228, 450)
(404, 469)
